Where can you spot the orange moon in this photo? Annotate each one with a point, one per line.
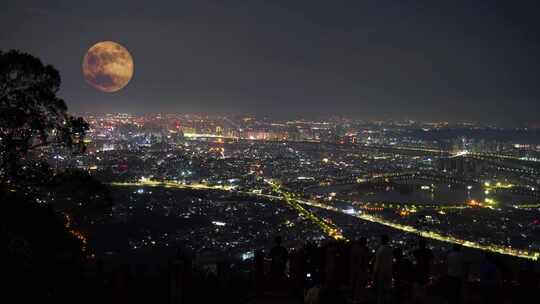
(107, 66)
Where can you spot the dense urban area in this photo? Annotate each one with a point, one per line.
(226, 185)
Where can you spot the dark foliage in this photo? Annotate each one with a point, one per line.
(79, 193)
(31, 114)
(41, 254)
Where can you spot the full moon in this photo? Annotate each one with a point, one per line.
(107, 66)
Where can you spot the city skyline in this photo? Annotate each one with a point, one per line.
(270, 151)
(421, 61)
(330, 117)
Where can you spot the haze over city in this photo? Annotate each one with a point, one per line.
(425, 60)
(262, 152)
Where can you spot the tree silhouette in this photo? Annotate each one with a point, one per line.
(40, 251)
(32, 116)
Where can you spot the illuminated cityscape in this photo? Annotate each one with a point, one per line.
(261, 152)
(386, 173)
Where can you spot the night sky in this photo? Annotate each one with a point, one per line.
(427, 60)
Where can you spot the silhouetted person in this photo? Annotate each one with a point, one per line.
(258, 269)
(313, 294)
(489, 278)
(383, 270)
(403, 276)
(278, 255)
(424, 258)
(359, 266)
(330, 263)
(177, 284)
(528, 282)
(454, 264)
(99, 285)
(297, 272)
(120, 284)
(331, 295)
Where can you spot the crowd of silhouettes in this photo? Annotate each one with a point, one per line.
(315, 273)
(352, 272)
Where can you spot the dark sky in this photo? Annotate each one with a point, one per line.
(430, 60)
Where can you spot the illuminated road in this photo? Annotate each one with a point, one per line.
(431, 234)
(330, 229)
(170, 184)
(427, 234)
(374, 206)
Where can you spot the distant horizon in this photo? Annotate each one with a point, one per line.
(315, 118)
(532, 123)
(458, 61)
